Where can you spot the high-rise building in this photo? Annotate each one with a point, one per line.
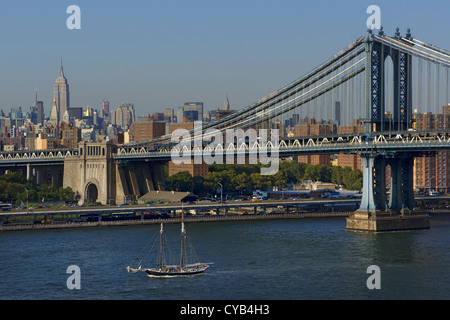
(337, 112)
(175, 126)
(106, 107)
(124, 115)
(149, 130)
(61, 94)
(352, 161)
(16, 113)
(226, 104)
(75, 113)
(190, 116)
(314, 128)
(157, 116)
(40, 112)
(169, 115)
(70, 135)
(194, 169)
(54, 116)
(194, 106)
(37, 111)
(431, 171)
(180, 114)
(33, 114)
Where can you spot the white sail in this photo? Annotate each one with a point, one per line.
(133, 270)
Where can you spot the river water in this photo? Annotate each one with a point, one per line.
(269, 260)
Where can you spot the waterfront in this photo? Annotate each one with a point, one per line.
(270, 260)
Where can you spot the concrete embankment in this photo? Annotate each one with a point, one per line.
(190, 219)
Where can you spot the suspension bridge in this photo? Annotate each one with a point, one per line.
(378, 84)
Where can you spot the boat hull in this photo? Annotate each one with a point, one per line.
(171, 273)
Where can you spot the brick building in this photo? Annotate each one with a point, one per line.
(350, 160)
(148, 130)
(70, 135)
(431, 171)
(194, 169)
(313, 128)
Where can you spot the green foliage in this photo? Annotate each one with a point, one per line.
(182, 181)
(246, 178)
(14, 187)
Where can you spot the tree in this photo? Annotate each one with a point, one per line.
(46, 192)
(259, 181)
(181, 181)
(279, 179)
(336, 175)
(225, 178)
(14, 187)
(13, 191)
(354, 180)
(14, 177)
(199, 186)
(242, 182)
(312, 173)
(65, 194)
(293, 170)
(324, 173)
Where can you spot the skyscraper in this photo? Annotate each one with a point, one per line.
(124, 115)
(194, 106)
(226, 104)
(106, 107)
(37, 111)
(61, 93)
(180, 112)
(54, 115)
(337, 112)
(40, 112)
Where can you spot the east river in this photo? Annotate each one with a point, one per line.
(270, 260)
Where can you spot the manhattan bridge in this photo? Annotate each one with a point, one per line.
(380, 82)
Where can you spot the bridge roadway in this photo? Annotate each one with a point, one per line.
(94, 211)
(384, 142)
(387, 143)
(168, 207)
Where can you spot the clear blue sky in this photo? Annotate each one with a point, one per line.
(159, 54)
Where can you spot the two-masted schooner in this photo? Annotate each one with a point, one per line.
(183, 268)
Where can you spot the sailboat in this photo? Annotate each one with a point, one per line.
(181, 269)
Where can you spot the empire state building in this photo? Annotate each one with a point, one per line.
(61, 96)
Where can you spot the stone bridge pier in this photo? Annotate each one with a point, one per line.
(95, 176)
(379, 212)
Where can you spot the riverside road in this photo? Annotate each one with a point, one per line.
(286, 209)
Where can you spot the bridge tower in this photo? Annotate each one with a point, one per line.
(377, 212)
(96, 176)
(91, 174)
(376, 55)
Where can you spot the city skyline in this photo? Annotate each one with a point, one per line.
(161, 55)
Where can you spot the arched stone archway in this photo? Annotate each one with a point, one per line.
(91, 193)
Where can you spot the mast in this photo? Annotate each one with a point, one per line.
(161, 247)
(183, 232)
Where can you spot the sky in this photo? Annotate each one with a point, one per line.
(161, 54)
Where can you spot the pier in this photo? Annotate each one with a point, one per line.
(188, 219)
